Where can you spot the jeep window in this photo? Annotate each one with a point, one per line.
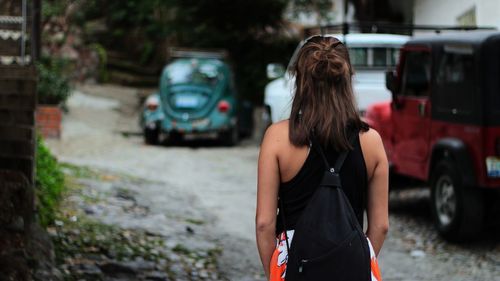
(416, 74)
(456, 77)
(495, 95)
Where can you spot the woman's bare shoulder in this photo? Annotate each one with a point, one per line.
(276, 137)
(371, 136)
(371, 144)
(373, 149)
(277, 131)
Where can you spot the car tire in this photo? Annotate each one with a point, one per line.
(174, 138)
(151, 136)
(230, 137)
(457, 210)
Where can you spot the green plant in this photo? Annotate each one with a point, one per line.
(49, 182)
(102, 54)
(52, 8)
(53, 87)
(253, 32)
(147, 52)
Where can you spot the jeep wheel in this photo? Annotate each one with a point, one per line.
(457, 210)
(151, 136)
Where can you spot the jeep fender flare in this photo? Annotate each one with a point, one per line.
(455, 150)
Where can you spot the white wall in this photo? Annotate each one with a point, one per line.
(488, 13)
(445, 12)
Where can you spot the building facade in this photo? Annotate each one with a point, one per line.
(457, 12)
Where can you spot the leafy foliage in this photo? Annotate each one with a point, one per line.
(249, 30)
(52, 87)
(134, 26)
(103, 74)
(253, 32)
(52, 8)
(321, 8)
(49, 182)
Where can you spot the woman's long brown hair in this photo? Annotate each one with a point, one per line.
(324, 102)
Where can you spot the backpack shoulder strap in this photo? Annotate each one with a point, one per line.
(340, 159)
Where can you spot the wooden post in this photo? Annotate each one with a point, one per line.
(35, 30)
(17, 121)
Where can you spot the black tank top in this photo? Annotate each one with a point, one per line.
(299, 189)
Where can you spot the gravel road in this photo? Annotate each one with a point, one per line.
(101, 129)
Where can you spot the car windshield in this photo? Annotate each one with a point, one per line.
(193, 71)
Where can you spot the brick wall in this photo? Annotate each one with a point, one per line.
(48, 121)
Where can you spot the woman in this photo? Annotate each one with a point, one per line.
(324, 108)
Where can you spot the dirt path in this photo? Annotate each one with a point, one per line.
(221, 179)
(223, 183)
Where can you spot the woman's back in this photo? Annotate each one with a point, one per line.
(302, 170)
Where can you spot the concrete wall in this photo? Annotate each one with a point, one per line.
(446, 12)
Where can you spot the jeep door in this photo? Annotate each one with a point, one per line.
(411, 113)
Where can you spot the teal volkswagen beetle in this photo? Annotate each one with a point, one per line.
(196, 99)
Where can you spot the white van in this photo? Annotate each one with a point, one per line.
(370, 53)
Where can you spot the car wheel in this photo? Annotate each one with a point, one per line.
(174, 138)
(457, 210)
(151, 136)
(230, 137)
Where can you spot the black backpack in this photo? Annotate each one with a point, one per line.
(328, 242)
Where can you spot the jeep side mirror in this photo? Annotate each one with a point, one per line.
(391, 81)
(275, 70)
(392, 84)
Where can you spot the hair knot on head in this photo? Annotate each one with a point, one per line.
(327, 64)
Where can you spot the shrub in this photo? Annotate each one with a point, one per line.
(53, 87)
(103, 75)
(49, 182)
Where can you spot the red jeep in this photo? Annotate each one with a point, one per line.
(443, 125)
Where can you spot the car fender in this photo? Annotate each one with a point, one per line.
(378, 116)
(455, 149)
(278, 96)
(152, 116)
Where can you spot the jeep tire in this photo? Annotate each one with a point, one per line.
(457, 210)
